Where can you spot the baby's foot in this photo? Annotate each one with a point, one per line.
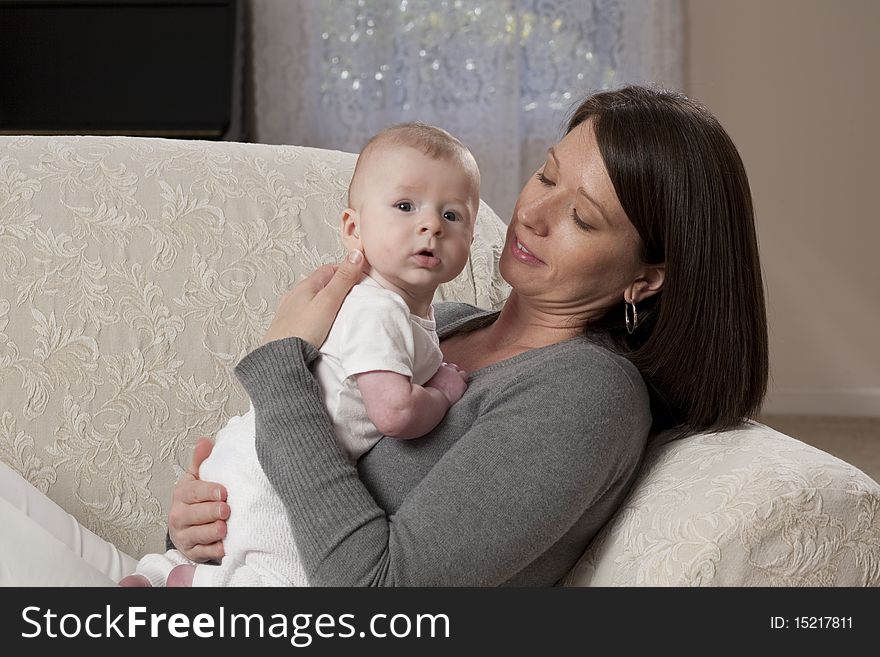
(181, 575)
(135, 580)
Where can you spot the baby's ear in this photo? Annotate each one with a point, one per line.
(351, 238)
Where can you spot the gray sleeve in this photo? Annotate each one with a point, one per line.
(528, 469)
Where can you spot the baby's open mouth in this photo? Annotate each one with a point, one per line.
(426, 258)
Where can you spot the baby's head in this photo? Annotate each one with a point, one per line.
(412, 205)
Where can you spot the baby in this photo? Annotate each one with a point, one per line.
(413, 202)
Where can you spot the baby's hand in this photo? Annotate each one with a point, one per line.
(450, 380)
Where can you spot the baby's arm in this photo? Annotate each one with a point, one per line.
(404, 410)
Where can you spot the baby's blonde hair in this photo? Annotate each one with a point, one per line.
(434, 142)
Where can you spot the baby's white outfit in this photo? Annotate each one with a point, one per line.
(374, 330)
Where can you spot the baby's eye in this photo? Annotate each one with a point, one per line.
(449, 215)
(405, 206)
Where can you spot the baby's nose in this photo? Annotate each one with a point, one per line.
(433, 224)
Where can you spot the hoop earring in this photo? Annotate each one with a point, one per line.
(631, 324)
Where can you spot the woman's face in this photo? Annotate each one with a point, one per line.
(570, 250)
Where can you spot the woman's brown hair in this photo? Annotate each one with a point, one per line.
(701, 342)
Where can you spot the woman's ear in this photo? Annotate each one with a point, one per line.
(649, 282)
(351, 238)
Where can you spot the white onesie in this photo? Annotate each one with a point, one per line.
(374, 330)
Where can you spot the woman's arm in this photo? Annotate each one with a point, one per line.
(520, 482)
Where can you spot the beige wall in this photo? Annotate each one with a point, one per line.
(797, 85)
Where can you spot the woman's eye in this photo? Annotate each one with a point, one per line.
(405, 206)
(580, 223)
(450, 216)
(543, 179)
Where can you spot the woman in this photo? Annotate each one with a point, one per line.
(635, 280)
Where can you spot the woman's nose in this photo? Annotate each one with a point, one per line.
(533, 213)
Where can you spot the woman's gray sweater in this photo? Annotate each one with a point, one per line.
(507, 490)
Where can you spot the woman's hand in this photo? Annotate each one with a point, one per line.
(197, 519)
(308, 309)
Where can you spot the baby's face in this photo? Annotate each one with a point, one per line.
(416, 218)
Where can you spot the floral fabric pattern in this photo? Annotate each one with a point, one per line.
(137, 273)
(748, 507)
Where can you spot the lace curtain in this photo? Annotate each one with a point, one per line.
(501, 75)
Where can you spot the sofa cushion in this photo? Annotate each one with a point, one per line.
(137, 272)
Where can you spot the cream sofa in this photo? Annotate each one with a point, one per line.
(137, 272)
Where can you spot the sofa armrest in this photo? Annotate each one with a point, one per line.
(747, 507)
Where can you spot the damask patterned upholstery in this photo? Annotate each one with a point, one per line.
(137, 272)
(748, 507)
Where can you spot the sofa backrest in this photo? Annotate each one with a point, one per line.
(136, 273)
